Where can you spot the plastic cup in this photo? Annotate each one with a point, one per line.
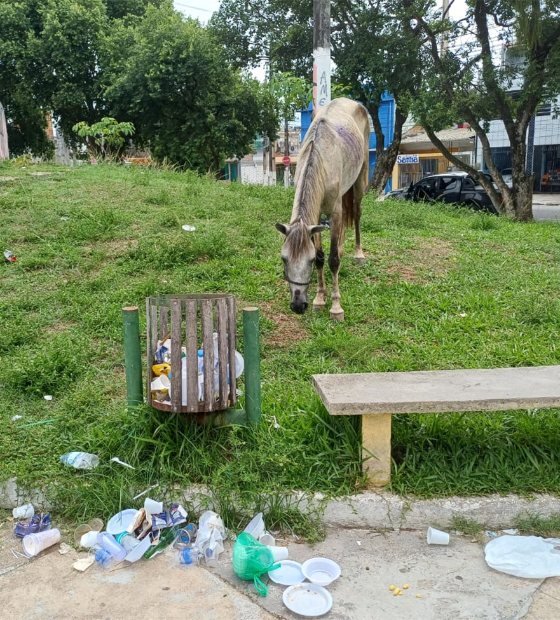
(153, 507)
(437, 537)
(89, 539)
(23, 512)
(82, 529)
(279, 553)
(267, 539)
(96, 524)
(256, 526)
(33, 544)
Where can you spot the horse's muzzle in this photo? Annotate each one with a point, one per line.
(299, 307)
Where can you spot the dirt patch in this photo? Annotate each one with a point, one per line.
(435, 255)
(58, 328)
(287, 328)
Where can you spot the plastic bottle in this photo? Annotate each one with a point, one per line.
(200, 362)
(108, 542)
(104, 558)
(187, 557)
(80, 460)
(127, 541)
(166, 538)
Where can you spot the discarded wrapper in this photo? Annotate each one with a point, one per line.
(9, 256)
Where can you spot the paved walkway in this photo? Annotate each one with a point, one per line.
(453, 582)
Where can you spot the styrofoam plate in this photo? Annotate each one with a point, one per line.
(289, 573)
(119, 523)
(307, 599)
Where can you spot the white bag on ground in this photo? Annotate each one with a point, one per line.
(211, 533)
(531, 557)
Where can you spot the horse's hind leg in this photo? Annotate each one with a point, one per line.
(359, 189)
(319, 301)
(337, 246)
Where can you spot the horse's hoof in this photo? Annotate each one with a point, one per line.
(359, 260)
(337, 316)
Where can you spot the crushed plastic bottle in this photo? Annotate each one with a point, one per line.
(80, 460)
(9, 256)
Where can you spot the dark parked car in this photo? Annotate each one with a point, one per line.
(452, 187)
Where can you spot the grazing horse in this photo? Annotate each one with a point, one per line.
(331, 178)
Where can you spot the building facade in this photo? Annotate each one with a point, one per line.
(387, 119)
(543, 136)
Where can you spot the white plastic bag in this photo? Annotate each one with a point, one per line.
(531, 557)
(211, 533)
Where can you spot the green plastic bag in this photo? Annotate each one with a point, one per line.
(251, 559)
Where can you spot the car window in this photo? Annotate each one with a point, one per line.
(428, 185)
(449, 184)
(468, 183)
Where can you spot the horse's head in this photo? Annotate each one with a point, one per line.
(298, 256)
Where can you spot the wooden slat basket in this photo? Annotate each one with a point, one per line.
(191, 321)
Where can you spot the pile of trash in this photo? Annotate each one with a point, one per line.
(129, 535)
(255, 554)
(161, 368)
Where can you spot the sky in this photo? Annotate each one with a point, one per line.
(203, 9)
(199, 9)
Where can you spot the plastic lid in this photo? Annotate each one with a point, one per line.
(200, 353)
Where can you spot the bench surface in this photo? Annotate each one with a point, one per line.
(495, 389)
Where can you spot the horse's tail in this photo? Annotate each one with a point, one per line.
(348, 208)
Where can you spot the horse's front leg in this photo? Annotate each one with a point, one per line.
(337, 247)
(319, 301)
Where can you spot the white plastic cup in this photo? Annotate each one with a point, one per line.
(33, 544)
(89, 539)
(153, 507)
(279, 553)
(267, 539)
(23, 512)
(437, 537)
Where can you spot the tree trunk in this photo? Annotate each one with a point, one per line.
(386, 158)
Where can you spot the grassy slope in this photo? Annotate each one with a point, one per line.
(93, 239)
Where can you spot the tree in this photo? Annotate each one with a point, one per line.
(26, 118)
(184, 99)
(371, 43)
(469, 82)
(291, 94)
(105, 137)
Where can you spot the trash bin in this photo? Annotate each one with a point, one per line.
(193, 323)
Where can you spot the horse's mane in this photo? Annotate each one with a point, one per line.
(310, 184)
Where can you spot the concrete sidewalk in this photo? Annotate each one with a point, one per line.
(454, 582)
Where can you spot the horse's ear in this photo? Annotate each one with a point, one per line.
(282, 228)
(314, 230)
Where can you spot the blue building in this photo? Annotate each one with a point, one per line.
(387, 118)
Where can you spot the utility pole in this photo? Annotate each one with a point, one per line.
(445, 17)
(321, 53)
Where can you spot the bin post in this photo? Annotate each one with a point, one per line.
(132, 356)
(251, 348)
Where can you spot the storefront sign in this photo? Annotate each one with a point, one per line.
(408, 159)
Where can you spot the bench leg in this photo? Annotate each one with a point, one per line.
(376, 447)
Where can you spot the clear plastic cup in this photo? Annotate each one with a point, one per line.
(279, 553)
(23, 512)
(33, 544)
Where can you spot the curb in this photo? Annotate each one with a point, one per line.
(372, 510)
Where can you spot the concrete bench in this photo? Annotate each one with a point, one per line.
(377, 396)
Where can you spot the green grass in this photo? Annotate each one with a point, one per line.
(92, 239)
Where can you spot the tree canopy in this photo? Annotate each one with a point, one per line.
(499, 62)
(137, 60)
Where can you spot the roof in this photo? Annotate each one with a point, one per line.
(417, 134)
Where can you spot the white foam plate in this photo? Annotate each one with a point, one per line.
(307, 599)
(119, 523)
(289, 573)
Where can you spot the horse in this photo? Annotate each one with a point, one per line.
(331, 178)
